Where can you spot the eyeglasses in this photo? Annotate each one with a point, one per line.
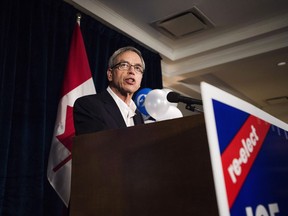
(126, 66)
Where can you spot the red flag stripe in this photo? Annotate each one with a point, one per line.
(77, 70)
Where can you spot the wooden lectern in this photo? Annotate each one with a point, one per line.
(156, 169)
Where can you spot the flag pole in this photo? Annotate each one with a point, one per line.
(78, 18)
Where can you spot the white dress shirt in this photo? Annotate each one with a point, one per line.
(127, 111)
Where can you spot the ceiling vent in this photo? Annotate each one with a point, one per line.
(183, 24)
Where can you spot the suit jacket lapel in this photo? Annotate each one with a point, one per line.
(113, 109)
(138, 118)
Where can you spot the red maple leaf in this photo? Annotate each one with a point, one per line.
(66, 137)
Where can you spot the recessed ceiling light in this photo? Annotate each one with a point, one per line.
(281, 63)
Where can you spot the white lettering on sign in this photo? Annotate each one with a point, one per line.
(245, 152)
(262, 211)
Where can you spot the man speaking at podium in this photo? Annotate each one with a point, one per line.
(113, 108)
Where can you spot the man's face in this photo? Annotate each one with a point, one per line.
(126, 79)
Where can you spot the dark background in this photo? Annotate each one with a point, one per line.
(34, 44)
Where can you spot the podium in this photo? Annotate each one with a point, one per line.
(156, 169)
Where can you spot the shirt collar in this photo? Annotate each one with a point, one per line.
(124, 108)
(117, 99)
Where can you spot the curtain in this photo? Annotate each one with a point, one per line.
(34, 44)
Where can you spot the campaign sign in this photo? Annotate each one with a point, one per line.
(249, 156)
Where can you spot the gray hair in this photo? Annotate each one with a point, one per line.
(112, 59)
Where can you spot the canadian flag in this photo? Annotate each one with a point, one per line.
(77, 82)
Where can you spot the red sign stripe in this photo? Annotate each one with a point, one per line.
(238, 157)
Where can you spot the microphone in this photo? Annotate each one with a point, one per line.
(175, 97)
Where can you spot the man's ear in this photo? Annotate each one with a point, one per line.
(109, 74)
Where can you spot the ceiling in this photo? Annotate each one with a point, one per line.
(234, 45)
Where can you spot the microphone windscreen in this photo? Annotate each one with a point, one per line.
(173, 97)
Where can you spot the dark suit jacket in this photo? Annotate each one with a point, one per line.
(99, 112)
